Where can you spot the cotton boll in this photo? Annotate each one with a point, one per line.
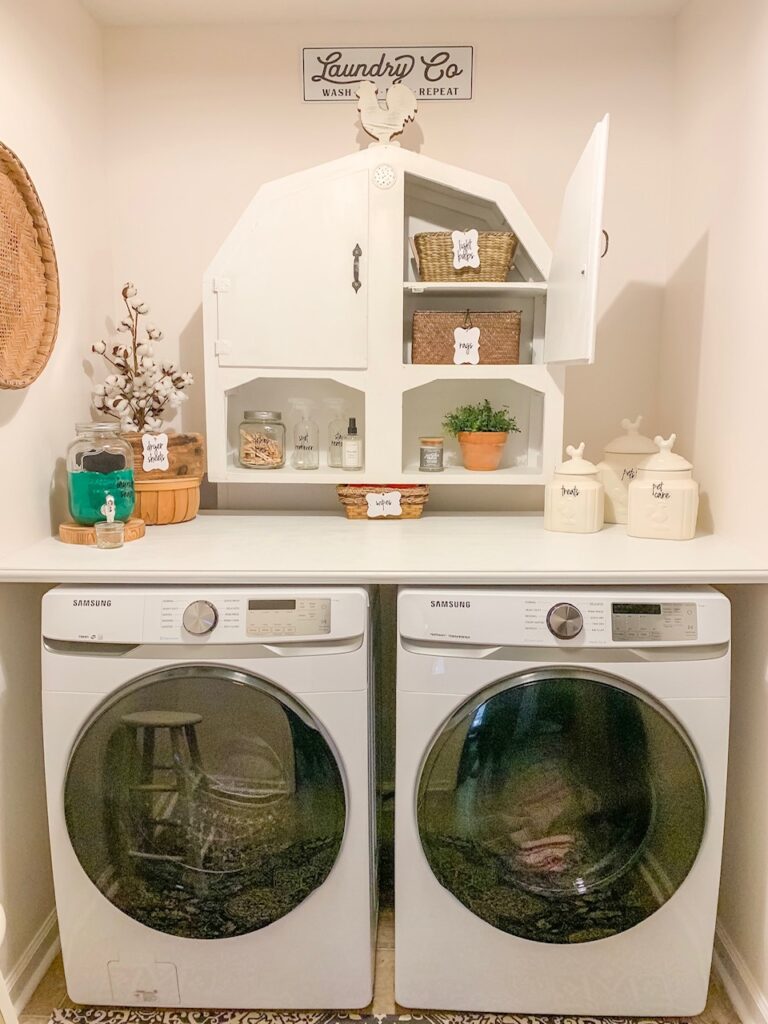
(99, 348)
(129, 290)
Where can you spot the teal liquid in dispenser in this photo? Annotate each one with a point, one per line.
(99, 464)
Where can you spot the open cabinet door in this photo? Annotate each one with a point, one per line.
(294, 292)
(572, 287)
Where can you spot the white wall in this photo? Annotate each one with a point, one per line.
(51, 115)
(713, 393)
(200, 117)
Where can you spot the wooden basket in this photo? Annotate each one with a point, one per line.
(433, 338)
(161, 502)
(354, 499)
(434, 253)
(29, 278)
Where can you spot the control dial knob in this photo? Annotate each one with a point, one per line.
(200, 618)
(564, 621)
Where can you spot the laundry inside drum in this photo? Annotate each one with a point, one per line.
(561, 810)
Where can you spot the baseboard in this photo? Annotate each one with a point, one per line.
(748, 1000)
(26, 974)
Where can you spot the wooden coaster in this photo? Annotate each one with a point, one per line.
(74, 533)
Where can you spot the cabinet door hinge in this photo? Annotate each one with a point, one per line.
(222, 348)
(221, 284)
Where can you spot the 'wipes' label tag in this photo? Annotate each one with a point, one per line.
(155, 451)
(385, 503)
(466, 345)
(466, 251)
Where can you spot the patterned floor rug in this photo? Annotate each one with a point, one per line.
(111, 1015)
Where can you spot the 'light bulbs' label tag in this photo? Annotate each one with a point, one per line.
(385, 503)
(466, 251)
(466, 345)
(155, 451)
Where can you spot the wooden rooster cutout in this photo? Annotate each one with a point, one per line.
(384, 122)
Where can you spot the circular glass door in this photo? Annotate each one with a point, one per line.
(561, 809)
(204, 802)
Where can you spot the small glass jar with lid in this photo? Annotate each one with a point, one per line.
(431, 454)
(262, 440)
(574, 500)
(100, 474)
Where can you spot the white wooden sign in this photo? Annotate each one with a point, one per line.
(431, 72)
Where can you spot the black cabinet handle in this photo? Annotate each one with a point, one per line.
(357, 252)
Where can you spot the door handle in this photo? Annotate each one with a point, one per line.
(357, 252)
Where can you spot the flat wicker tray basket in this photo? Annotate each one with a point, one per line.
(434, 252)
(433, 339)
(354, 499)
(29, 280)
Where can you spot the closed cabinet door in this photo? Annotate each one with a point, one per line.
(293, 290)
(561, 808)
(204, 802)
(571, 321)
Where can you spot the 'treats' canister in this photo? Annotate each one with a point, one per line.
(573, 501)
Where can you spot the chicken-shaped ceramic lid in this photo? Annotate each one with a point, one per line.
(665, 460)
(576, 465)
(631, 442)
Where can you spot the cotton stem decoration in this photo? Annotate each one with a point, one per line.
(142, 389)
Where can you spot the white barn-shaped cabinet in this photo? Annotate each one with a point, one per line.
(311, 298)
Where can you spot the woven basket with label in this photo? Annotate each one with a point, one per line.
(434, 253)
(434, 340)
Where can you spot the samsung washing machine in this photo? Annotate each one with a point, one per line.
(210, 794)
(560, 794)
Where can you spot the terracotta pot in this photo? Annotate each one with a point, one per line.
(482, 450)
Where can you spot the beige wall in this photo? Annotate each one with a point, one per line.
(713, 390)
(51, 115)
(200, 117)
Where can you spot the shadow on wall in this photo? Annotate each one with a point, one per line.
(10, 403)
(680, 361)
(623, 380)
(191, 359)
(25, 873)
(742, 909)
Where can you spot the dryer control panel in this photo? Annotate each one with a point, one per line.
(667, 621)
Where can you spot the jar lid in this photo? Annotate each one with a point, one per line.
(665, 459)
(431, 440)
(260, 414)
(632, 442)
(576, 465)
(97, 428)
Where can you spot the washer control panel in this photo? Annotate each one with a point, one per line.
(281, 616)
(662, 622)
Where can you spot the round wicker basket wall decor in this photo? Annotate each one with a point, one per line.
(29, 278)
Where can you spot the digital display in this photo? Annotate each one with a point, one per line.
(636, 609)
(272, 606)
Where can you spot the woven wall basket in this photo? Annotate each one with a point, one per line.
(29, 278)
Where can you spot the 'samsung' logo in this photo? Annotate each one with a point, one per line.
(450, 604)
(91, 602)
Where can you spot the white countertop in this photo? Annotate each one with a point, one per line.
(229, 547)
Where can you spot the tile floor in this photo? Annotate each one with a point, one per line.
(52, 993)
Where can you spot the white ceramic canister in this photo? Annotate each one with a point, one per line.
(663, 498)
(618, 469)
(574, 499)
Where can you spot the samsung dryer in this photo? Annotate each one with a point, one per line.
(208, 762)
(560, 793)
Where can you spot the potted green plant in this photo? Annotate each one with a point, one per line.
(482, 432)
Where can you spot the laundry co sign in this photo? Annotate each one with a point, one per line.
(432, 72)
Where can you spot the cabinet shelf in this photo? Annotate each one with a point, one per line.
(528, 289)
